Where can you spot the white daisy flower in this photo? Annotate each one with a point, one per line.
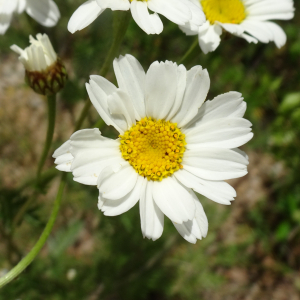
(44, 12)
(177, 11)
(171, 144)
(248, 19)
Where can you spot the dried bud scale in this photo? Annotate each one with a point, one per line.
(48, 82)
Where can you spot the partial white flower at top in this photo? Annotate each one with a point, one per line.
(44, 12)
(44, 71)
(248, 19)
(177, 11)
(171, 145)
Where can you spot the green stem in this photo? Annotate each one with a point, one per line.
(40, 243)
(51, 100)
(120, 30)
(190, 53)
(45, 177)
(121, 22)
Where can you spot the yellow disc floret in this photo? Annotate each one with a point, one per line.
(224, 11)
(154, 148)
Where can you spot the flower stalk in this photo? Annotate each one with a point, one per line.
(51, 101)
(121, 21)
(190, 53)
(26, 261)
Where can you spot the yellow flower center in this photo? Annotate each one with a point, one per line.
(224, 11)
(154, 148)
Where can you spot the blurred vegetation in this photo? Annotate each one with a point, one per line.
(89, 256)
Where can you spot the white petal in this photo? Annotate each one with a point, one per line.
(63, 157)
(88, 171)
(117, 207)
(209, 37)
(185, 230)
(279, 36)
(232, 28)
(270, 10)
(150, 23)
(91, 138)
(65, 167)
(181, 85)
(97, 90)
(173, 200)
(241, 152)
(115, 184)
(161, 87)
(21, 6)
(100, 201)
(64, 148)
(152, 218)
(218, 191)
(8, 7)
(198, 17)
(196, 228)
(91, 153)
(104, 84)
(118, 4)
(215, 164)
(197, 87)
(248, 38)
(121, 109)
(221, 133)
(84, 15)
(175, 10)
(4, 22)
(103, 3)
(189, 29)
(223, 106)
(67, 157)
(258, 30)
(45, 12)
(131, 78)
(201, 219)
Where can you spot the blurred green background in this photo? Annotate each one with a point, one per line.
(252, 250)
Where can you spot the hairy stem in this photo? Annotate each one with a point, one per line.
(51, 100)
(190, 53)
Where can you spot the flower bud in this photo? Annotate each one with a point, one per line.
(44, 71)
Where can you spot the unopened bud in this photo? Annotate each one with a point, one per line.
(44, 71)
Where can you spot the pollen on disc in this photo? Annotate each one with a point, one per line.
(154, 148)
(229, 11)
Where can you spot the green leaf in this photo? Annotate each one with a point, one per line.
(291, 101)
(283, 231)
(64, 238)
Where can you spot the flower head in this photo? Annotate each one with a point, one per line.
(177, 11)
(244, 18)
(171, 144)
(44, 12)
(45, 73)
